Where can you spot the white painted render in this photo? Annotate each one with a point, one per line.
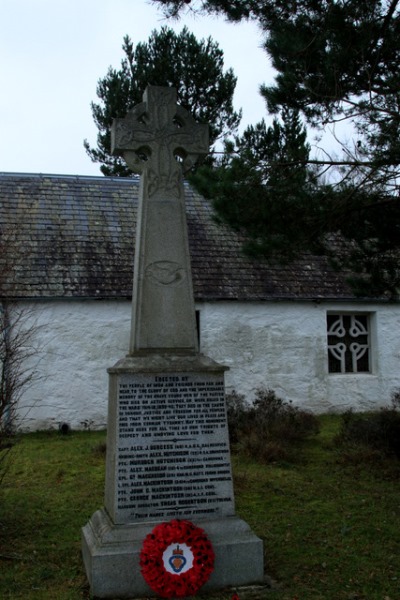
(277, 345)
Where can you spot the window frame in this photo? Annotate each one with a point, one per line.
(357, 347)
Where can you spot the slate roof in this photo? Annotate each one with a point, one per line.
(73, 237)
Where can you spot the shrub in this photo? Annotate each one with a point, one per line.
(269, 429)
(17, 331)
(238, 413)
(378, 430)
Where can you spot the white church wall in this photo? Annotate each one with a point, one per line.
(78, 341)
(283, 346)
(276, 345)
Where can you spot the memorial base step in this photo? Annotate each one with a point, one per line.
(111, 555)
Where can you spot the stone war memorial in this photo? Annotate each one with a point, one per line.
(169, 515)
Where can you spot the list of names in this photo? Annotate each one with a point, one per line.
(172, 449)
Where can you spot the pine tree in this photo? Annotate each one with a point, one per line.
(194, 68)
(261, 186)
(336, 61)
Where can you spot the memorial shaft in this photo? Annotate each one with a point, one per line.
(158, 139)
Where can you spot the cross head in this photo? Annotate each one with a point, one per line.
(160, 138)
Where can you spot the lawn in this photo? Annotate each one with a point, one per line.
(330, 524)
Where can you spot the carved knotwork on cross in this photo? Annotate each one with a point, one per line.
(159, 138)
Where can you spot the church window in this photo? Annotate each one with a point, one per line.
(348, 343)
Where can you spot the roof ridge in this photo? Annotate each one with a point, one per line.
(11, 174)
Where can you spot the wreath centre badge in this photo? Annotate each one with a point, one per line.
(178, 558)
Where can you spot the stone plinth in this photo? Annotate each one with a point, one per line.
(167, 457)
(169, 435)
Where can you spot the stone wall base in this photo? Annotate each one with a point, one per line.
(111, 555)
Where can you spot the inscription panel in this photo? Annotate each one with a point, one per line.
(172, 450)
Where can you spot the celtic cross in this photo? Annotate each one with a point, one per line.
(159, 140)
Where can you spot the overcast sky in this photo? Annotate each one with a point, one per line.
(52, 53)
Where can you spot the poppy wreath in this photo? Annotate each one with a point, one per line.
(176, 559)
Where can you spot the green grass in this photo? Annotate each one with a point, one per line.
(330, 526)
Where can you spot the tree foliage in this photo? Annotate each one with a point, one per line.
(336, 62)
(263, 180)
(195, 68)
(234, 10)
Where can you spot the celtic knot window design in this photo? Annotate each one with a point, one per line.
(348, 343)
